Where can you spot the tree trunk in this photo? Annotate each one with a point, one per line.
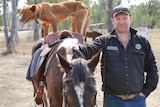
(36, 25)
(110, 8)
(108, 5)
(14, 29)
(5, 26)
(36, 31)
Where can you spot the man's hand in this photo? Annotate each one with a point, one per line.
(69, 50)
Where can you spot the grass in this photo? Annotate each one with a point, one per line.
(154, 32)
(155, 43)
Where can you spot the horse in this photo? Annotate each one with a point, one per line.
(39, 96)
(51, 74)
(54, 79)
(92, 34)
(79, 85)
(56, 84)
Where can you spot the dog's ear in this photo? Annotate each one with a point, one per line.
(33, 8)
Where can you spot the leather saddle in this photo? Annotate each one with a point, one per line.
(47, 51)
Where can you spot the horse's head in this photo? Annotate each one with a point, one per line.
(79, 84)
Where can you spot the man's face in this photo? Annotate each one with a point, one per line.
(122, 22)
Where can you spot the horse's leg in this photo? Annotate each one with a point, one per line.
(37, 95)
(35, 86)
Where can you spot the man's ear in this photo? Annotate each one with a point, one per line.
(112, 19)
(131, 19)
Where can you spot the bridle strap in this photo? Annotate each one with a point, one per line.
(90, 76)
(95, 101)
(67, 79)
(80, 54)
(70, 78)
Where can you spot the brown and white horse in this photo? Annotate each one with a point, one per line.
(78, 87)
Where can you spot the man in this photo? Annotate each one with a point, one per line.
(126, 59)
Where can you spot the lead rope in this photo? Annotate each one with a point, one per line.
(104, 68)
(95, 101)
(32, 103)
(64, 103)
(39, 93)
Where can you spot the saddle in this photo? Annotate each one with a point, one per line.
(47, 51)
(56, 36)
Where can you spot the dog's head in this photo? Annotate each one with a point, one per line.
(28, 13)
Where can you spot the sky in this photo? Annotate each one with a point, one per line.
(21, 3)
(133, 2)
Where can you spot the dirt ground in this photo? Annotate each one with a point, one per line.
(16, 91)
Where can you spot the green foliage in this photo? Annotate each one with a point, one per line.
(153, 11)
(98, 14)
(146, 14)
(140, 15)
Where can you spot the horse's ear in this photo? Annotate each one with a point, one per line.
(64, 63)
(92, 63)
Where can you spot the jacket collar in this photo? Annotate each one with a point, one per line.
(133, 32)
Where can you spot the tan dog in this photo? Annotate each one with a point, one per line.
(47, 13)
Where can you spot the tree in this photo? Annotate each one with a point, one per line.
(153, 12)
(146, 14)
(13, 38)
(137, 12)
(109, 12)
(1, 20)
(5, 24)
(108, 7)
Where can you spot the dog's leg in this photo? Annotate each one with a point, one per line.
(82, 21)
(55, 29)
(85, 27)
(46, 30)
(74, 28)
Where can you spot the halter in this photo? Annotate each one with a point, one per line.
(70, 79)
